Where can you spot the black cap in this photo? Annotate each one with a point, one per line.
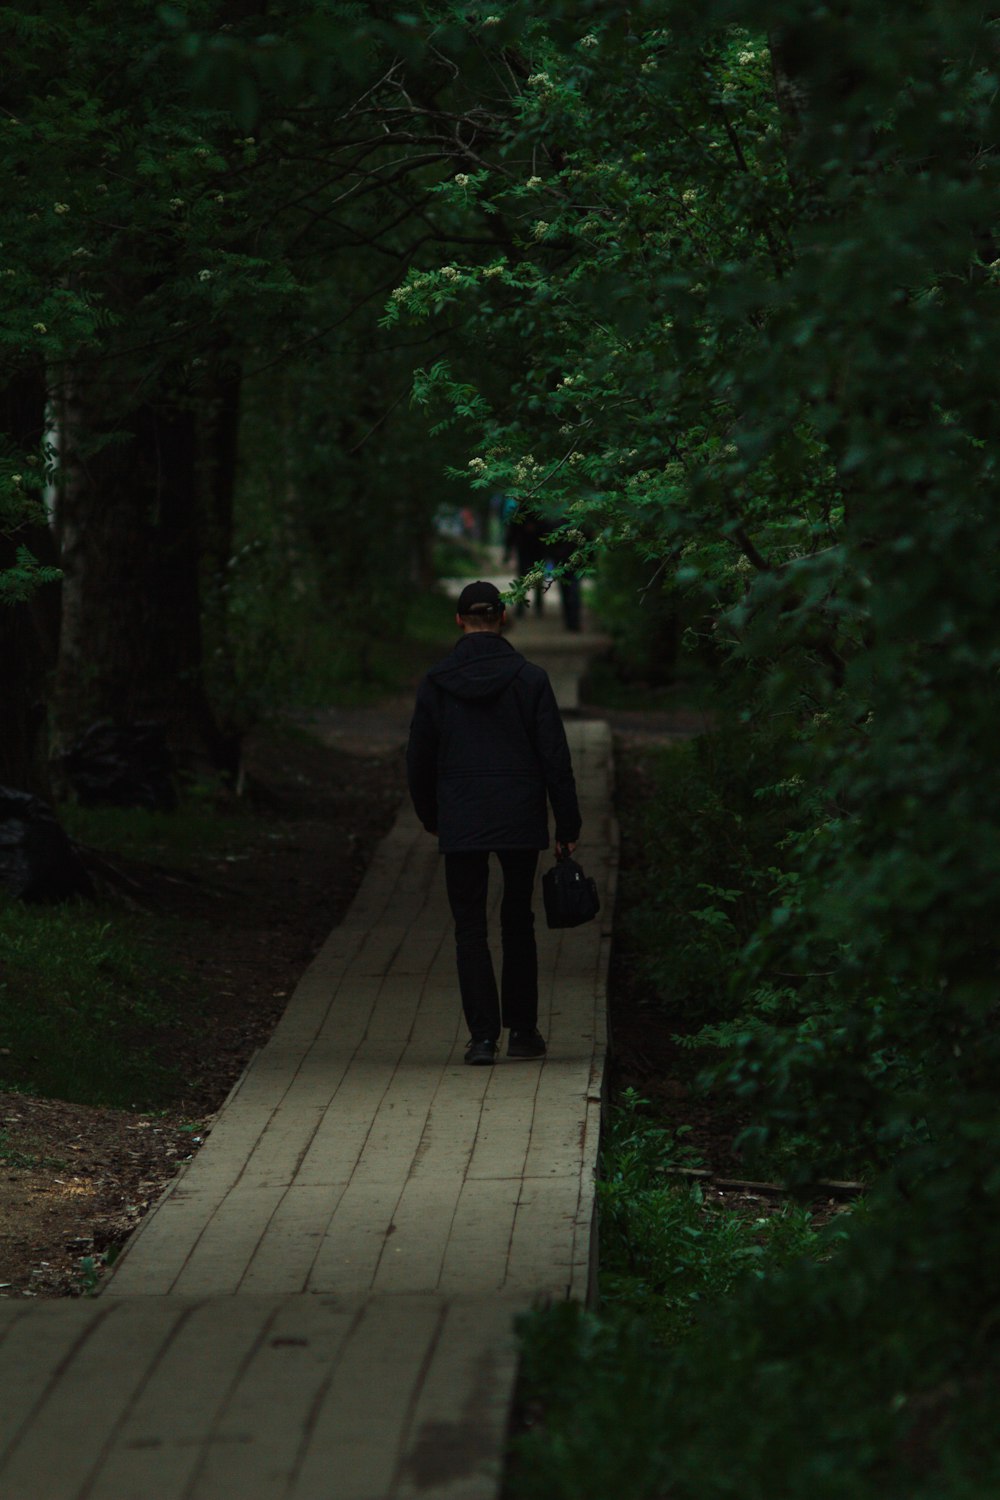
(480, 597)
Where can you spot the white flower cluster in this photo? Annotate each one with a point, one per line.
(61, 208)
(461, 179)
(534, 182)
(495, 270)
(590, 40)
(451, 273)
(540, 229)
(204, 275)
(491, 20)
(747, 57)
(404, 293)
(39, 327)
(526, 469)
(539, 81)
(477, 465)
(689, 196)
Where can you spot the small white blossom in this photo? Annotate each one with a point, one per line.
(590, 40)
(534, 182)
(400, 293)
(539, 81)
(747, 57)
(491, 20)
(202, 153)
(540, 229)
(495, 270)
(102, 187)
(17, 479)
(220, 197)
(690, 196)
(39, 327)
(450, 273)
(61, 208)
(461, 179)
(177, 203)
(205, 275)
(477, 465)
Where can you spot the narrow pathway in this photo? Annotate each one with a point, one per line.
(322, 1305)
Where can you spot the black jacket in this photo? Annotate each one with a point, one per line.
(486, 745)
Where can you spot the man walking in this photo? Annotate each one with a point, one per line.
(487, 746)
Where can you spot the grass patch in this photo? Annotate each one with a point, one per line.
(194, 830)
(23, 1161)
(82, 997)
(666, 1248)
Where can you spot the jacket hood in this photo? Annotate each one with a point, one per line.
(481, 666)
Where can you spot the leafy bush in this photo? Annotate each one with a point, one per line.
(666, 1250)
(712, 861)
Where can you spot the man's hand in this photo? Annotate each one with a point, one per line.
(563, 849)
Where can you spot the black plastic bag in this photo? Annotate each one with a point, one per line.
(122, 765)
(37, 859)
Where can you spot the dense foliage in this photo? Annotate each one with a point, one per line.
(747, 321)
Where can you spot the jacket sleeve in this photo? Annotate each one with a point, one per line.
(554, 753)
(422, 761)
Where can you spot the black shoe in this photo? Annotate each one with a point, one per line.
(481, 1050)
(526, 1043)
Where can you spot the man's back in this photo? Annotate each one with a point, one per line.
(486, 745)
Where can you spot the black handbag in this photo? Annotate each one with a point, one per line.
(569, 895)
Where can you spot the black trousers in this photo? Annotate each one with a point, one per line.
(467, 877)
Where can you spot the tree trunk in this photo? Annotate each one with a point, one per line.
(28, 630)
(131, 647)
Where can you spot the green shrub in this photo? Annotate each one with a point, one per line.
(711, 862)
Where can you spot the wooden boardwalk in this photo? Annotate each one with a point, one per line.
(321, 1307)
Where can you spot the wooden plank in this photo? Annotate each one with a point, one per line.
(92, 1383)
(363, 1416)
(262, 1430)
(455, 1445)
(476, 1256)
(217, 1262)
(286, 1251)
(158, 1445)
